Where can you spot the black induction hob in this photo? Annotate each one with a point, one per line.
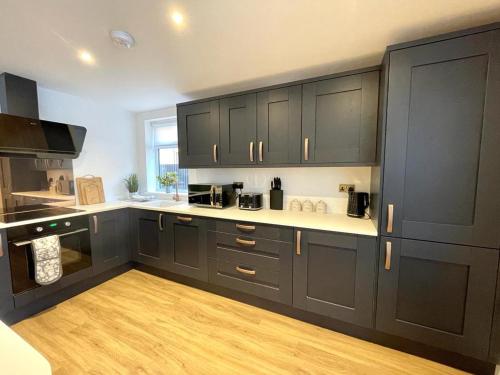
(33, 212)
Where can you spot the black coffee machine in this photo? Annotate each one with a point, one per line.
(358, 203)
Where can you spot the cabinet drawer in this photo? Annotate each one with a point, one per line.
(259, 275)
(248, 244)
(255, 230)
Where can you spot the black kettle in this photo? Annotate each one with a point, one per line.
(358, 203)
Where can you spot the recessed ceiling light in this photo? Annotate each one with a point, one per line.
(86, 57)
(122, 38)
(178, 18)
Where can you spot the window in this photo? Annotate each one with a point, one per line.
(164, 137)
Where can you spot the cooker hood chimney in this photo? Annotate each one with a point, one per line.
(23, 134)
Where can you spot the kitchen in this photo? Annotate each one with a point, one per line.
(304, 200)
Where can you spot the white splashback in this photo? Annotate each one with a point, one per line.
(313, 183)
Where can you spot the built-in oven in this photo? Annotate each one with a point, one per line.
(211, 195)
(76, 253)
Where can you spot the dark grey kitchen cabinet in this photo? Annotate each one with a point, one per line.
(495, 331)
(438, 294)
(109, 239)
(442, 160)
(339, 119)
(148, 238)
(279, 125)
(198, 129)
(238, 129)
(187, 246)
(6, 298)
(335, 275)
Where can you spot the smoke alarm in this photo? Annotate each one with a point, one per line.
(122, 39)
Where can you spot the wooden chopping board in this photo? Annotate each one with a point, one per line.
(90, 190)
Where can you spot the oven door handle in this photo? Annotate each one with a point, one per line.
(24, 243)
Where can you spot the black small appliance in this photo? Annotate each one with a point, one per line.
(211, 195)
(358, 203)
(250, 201)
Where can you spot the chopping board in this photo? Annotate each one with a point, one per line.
(90, 190)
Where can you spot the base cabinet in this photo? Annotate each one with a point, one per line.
(6, 298)
(495, 332)
(437, 294)
(334, 275)
(187, 246)
(253, 259)
(109, 239)
(148, 238)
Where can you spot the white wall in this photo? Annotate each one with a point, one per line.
(110, 149)
(313, 183)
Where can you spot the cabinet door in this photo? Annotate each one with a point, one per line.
(110, 239)
(6, 298)
(149, 238)
(279, 125)
(187, 246)
(442, 160)
(334, 275)
(339, 119)
(238, 129)
(495, 332)
(198, 130)
(438, 294)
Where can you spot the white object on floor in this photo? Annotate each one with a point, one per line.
(18, 357)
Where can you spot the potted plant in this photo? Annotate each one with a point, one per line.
(169, 179)
(132, 184)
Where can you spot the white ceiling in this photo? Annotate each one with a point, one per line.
(226, 45)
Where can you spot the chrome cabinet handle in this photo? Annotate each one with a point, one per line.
(96, 226)
(185, 219)
(245, 242)
(246, 228)
(388, 255)
(245, 271)
(298, 248)
(251, 151)
(306, 149)
(390, 217)
(160, 222)
(261, 151)
(214, 153)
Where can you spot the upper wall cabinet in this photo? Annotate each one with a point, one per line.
(328, 121)
(278, 125)
(198, 128)
(442, 159)
(238, 129)
(339, 119)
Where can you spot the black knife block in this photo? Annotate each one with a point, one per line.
(276, 199)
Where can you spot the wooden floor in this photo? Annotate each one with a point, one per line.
(142, 324)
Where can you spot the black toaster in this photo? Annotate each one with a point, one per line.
(250, 201)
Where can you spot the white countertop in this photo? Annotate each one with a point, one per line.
(44, 194)
(328, 222)
(18, 357)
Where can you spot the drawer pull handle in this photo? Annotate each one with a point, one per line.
(390, 217)
(388, 255)
(185, 219)
(245, 242)
(1, 246)
(96, 226)
(299, 238)
(245, 271)
(246, 228)
(261, 151)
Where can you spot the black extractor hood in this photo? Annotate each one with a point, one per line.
(23, 134)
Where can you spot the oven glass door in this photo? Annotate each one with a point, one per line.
(75, 256)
